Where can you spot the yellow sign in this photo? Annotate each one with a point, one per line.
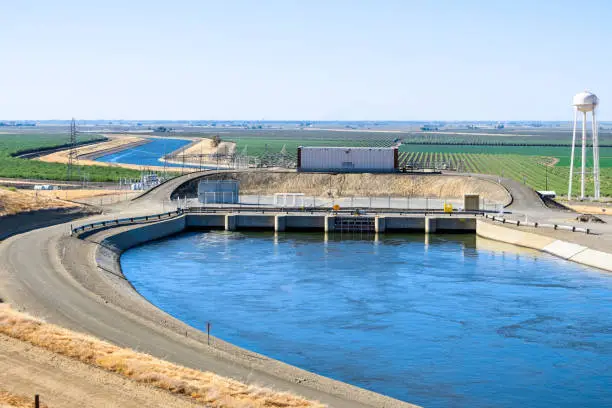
(448, 208)
(336, 207)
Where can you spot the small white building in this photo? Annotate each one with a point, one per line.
(219, 191)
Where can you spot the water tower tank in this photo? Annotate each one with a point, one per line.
(585, 101)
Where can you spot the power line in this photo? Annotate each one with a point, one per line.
(72, 153)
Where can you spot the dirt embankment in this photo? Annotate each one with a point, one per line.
(204, 149)
(85, 153)
(16, 201)
(22, 211)
(362, 185)
(140, 369)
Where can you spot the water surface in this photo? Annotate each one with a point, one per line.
(438, 321)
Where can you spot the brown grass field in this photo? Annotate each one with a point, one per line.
(365, 184)
(16, 201)
(8, 399)
(72, 194)
(206, 388)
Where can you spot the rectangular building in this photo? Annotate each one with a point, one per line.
(218, 191)
(348, 159)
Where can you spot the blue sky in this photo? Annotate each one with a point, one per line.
(316, 60)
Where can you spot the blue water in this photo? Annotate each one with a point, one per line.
(444, 322)
(147, 154)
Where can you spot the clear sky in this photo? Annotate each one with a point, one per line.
(310, 59)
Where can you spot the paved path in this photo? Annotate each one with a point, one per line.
(63, 382)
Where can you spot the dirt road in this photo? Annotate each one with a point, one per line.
(63, 382)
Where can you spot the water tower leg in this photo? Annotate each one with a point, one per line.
(583, 169)
(595, 156)
(571, 174)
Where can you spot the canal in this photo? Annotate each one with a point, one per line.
(444, 320)
(148, 154)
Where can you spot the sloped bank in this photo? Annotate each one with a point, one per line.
(560, 248)
(26, 221)
(359, 185)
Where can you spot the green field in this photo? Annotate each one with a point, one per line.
(540, 162)
(537, 172)
(563, 153)
(12, 167)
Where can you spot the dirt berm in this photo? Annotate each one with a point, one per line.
(367, 184)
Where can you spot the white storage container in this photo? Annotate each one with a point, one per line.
(348, 159)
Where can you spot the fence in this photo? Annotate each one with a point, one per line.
(295, 200)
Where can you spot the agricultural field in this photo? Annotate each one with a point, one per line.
(562, 153)
(540, 161)
(538, 172)
(539, 158)
(13, 167)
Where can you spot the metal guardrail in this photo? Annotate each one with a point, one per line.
(125, 221)
(321, 210)
(538, 225)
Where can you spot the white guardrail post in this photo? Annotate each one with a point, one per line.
(518, 223)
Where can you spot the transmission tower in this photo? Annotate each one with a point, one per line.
(72, 153)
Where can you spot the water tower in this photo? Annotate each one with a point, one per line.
(585, 102)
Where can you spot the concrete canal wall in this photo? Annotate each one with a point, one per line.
(563, 249)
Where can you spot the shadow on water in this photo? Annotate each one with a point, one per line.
(438, 320)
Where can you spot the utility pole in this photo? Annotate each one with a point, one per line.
(72, 153)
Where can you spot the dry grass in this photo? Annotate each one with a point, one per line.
(16, 201)
(204, 147)
(72, 194)
(207, 388)
(362, 185)
(18, 401)
(591, 209)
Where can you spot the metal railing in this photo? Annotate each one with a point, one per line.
(518, 223)
(294, 200)
(125, 221)
(320, 210)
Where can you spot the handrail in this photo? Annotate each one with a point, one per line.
(518, 223)
(311, 210)
(125, 221)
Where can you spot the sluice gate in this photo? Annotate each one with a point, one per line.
(354, 224)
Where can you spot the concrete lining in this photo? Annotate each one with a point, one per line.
(562, 249)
